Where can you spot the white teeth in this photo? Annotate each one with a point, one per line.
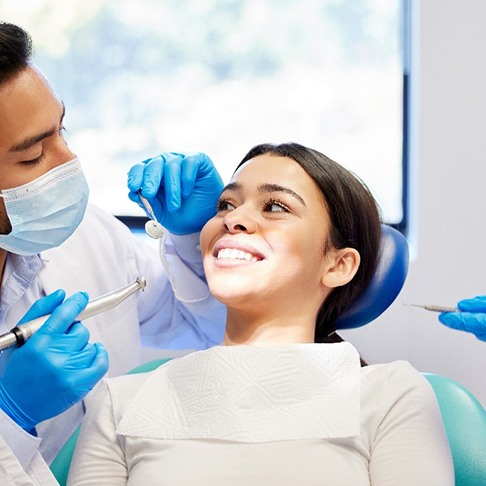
(234, 254)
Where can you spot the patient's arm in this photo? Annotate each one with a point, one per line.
(410, 445)
(99, 457)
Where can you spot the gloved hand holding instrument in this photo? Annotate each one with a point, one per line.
(56, 368)
(54, 365)
(167, 181)
(470, 317)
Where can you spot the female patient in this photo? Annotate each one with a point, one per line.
(294, 242)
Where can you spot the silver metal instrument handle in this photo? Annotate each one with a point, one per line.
(21, 333)
(435, 308)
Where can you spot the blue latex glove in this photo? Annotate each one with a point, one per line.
(183, 189)
(471, 318)
(55, 368)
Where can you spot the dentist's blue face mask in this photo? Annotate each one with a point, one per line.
(45, 212)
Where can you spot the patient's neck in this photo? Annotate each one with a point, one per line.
(267, 330)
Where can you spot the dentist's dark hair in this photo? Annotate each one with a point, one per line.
(355, 223)
(15, 51)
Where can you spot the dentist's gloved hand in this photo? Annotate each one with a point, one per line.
(471, 318)
(55, 368)
(183, 189)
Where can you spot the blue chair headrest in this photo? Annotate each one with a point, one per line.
(386, 283)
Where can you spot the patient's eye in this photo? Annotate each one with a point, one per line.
(225, 205)
(275, 206)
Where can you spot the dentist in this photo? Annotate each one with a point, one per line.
(52, 239)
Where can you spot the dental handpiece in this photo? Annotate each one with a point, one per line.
(20, 334)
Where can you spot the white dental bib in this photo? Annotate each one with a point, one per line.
(251, 394)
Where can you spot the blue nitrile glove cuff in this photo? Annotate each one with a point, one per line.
(18, 416)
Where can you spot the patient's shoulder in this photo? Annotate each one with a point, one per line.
(393, 383)
(123, 389)
(400, 373)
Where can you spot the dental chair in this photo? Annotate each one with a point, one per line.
(465, 423)
(455, 402)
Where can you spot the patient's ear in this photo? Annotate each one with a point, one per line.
(341, 267)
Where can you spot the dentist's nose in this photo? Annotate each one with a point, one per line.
(61, 153)
(239, 220)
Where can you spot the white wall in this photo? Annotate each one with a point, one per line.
(450, 177)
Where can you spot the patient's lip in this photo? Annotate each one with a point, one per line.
(237, 245)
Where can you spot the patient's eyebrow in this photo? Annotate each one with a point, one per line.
(30, 141)
(279, 188)
(232, 186)
(266, 188)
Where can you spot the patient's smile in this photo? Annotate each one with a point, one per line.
(233, 254)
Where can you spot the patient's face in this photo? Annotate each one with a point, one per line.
(265, 246)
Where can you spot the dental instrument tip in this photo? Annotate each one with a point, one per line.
(434, 308)
(142, 282)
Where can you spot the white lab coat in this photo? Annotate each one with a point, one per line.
(98, 258)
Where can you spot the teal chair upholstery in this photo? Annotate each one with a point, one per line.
(60, 465)
(465, 423)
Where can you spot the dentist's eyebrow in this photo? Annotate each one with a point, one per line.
(30, 141)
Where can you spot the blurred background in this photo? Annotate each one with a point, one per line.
(220, 76)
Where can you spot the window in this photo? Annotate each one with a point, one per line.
(220, 76)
